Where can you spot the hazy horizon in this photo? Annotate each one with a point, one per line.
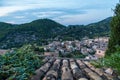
(66, 12)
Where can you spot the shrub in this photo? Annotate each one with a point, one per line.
(20, 64)
(112, 61)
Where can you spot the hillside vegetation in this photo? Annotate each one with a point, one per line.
(19, 64)
(44, 30)
(98, 29)
(112, 58)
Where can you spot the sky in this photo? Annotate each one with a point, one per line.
(67, 12)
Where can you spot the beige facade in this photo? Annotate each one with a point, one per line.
(2, 52)
(100, 53)
(51, 54)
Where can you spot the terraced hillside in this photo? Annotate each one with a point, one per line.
(70, 69)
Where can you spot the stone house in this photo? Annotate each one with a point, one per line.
(3, 51)
(51, 54)
(100, 53)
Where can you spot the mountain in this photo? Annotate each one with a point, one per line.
(92, 30)
(33, 32)
(4, 29)
(42, 30)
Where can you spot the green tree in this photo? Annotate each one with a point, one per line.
(115, 31)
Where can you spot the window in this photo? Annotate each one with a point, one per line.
(99, 52)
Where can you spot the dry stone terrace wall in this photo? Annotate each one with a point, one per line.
(70, 69)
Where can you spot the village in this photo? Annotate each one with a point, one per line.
(91, 48)
(62, 68)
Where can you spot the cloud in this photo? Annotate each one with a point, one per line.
(47, 14)
(8, 7)
(63, 11)
(4, 11)
(11, 22)
(19, 17)
(89, 17)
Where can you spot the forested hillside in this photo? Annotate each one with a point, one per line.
(98, 29)
(42, 30)
(36, 31)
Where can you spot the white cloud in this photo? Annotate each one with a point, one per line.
(47, 14)
(70, 15)
(4, 11)
(11, 22)
(19, 17)
(16, 5)
(90, 17)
